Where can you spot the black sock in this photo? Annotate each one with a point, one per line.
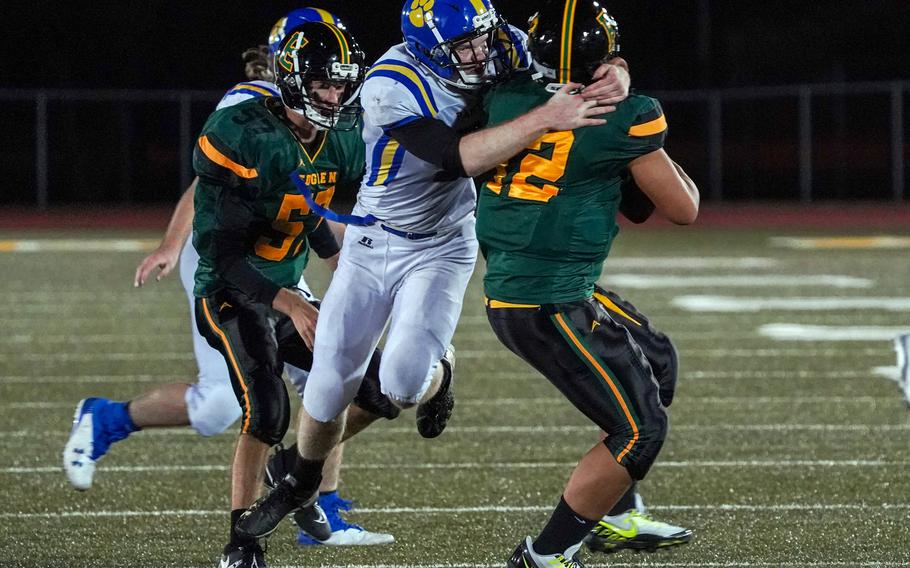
(308, 474)
(626, 502)
(564, 529)
(236, 540)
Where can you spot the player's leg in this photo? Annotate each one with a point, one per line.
(628, 525)
(312, 524)
(351, 319)
(227, 320)
(416, 367)
(656, 345)
(207, 405)
(595, 363)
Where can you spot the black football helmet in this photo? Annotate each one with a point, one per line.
(320, 51)
(569, 39)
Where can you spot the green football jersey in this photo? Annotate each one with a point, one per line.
(547, 218)
(248, 151)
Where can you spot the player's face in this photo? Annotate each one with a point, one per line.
(328, 92)
(472, 54)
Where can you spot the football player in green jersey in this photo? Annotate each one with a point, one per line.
(250, 229)
(545, 223)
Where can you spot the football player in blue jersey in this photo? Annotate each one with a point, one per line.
(208, 404)
(410, 250)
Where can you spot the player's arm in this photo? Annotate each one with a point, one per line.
(435, 142)
(634, 204)
(323, 242)
(667, 186)
(165, 257)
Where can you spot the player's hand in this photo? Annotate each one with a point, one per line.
(567, 111)
(302, 313)
(164, 259)
(611, 84)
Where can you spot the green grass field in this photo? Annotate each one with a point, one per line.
(781, 452)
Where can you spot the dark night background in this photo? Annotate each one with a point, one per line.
(157, 45)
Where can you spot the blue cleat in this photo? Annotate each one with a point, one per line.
(97, 423)
(343, 533)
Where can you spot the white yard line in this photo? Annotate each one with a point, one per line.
(687, 262)
(683, 464)
(733, 507)
(503, 401)
(493, 353)
(838, 429)
(799, 332)
(648, 282)
(487, 375)
(744, 304)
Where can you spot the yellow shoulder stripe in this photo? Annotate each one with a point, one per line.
(416, 83)
(659, 124)
(254, 88)
(214, 155)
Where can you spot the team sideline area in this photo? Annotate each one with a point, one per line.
(788, 443)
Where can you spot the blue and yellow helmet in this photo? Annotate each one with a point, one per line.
(296, 17)
(435, 29)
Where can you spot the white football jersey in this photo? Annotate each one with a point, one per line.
(400, 188)
(246, 91)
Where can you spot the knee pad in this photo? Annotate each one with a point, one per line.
(404, 379)
(211, 407)
(269, 412)
(638, 455)
(327, 395)
(370, 398)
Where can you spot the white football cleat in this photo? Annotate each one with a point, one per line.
(637, 531)
(343, 532)
(78, 454)
(902, 347)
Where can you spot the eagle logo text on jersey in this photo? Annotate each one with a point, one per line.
(421, 10)
(286, 57)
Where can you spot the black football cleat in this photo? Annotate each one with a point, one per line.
(434, 414)
(263, 516)
(310, 519)
(249, 556)
(279, 465)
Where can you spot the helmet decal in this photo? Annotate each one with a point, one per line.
(610, 27)
(421, 11)
(286, 57)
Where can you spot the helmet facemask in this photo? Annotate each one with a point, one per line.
(458, 57)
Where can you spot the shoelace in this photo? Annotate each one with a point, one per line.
(561, 562)
(333, 504)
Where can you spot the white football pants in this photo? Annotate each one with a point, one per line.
(416, 286)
